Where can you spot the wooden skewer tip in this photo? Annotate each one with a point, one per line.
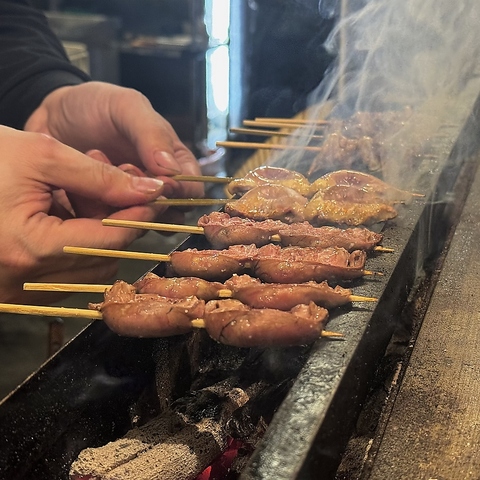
(359, 298)
(370, 272)
(379, 248)
(328, 334)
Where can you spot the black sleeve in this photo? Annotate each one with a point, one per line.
(33, 62)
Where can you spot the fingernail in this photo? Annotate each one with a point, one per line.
(166, 161)
(147, 184)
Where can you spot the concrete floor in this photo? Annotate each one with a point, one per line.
(24, 339)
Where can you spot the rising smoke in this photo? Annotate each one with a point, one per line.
(395, 54)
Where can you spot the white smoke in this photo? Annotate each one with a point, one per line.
(397, 54)
(402, 52)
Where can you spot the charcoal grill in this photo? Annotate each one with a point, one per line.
(88, 392)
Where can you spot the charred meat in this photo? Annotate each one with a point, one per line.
(274, 202)
(232, 323)
(252, 292)
(268, 175)
(147, 315)
(271, 263)
(178, 287)
(222, 231)
(327, 211)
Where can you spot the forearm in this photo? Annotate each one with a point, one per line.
(32, 62)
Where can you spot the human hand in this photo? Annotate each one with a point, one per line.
(123, 125)
(37, 219)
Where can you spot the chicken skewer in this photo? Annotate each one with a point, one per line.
(295, 180)
(263, 329)
(270, 263)
(222, 231)
(248, 290)
(227, 321)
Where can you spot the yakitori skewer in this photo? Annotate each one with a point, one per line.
(268, 263)
(191, 229)
(65, 312)
(222, 293)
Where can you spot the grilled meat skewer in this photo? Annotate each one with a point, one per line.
(275, 202)
(227, 321)
(222, 231)
(250, 291)
(270, 263)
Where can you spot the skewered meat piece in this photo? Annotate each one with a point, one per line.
(222, 230)
(178, 287)
(340, 150)
(213, 264)
(271, 263)
(147, 315)
(324, 211)
(363, 181)
(372, 124)
(268, 175)
(298, 265)
(274, 202)
(350, 194)
(306, 235)
(251, 291)
(232, 323)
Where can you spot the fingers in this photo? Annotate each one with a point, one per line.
(66, 168)
(122, 123)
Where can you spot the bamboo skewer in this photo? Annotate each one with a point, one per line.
(190, 202)
(66, 287)
(281, 124)
(270, 133)
(200, 323)
(163, 227)
(268, 146)
(300, 121)
(50, 311)
(202, 178)
(94, 288)
(100, 252)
